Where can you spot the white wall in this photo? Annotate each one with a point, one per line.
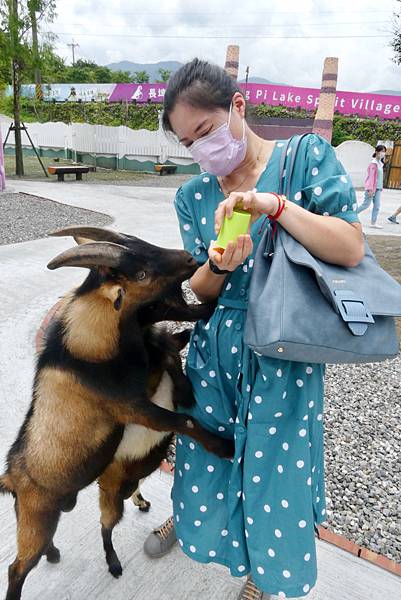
(355, 157)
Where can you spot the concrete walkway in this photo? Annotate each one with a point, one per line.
(27, 290)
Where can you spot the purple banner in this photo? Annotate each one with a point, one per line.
(141, 92)
(348, 103)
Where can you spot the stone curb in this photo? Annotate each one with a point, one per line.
(324, 533)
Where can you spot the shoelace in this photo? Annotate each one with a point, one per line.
(165, 529)
(251, 592)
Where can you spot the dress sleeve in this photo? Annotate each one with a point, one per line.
(327, 188)
(189, 229)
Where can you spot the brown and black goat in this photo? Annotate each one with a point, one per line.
(106, 384)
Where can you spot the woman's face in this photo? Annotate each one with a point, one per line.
(190, 124)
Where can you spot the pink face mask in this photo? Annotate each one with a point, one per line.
(219, 153)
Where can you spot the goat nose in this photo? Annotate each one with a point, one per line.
(191, 261)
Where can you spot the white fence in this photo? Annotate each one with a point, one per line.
(139, 144)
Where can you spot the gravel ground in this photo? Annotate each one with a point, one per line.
(25, 217)
(362, 417)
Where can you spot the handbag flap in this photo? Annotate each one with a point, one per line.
(345, 287)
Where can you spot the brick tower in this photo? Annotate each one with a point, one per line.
(232, 61)
(323, 123)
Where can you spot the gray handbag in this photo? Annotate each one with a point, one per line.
(306, 310)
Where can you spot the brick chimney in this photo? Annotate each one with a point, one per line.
(323, 123)
(232, 61)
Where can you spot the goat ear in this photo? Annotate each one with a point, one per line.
(115, 294)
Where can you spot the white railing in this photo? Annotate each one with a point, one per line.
(101, 139)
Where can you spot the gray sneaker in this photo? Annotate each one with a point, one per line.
(250, 592)
(161, 540)
(393, 219)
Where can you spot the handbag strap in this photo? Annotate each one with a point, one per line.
(290, 149)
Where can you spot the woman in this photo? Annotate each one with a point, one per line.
(374, 185)
(255, 514)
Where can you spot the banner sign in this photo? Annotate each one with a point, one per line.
(141, 92)
(69, 92)
(347, 103)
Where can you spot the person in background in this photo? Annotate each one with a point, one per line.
(393, 218)
(374, 185)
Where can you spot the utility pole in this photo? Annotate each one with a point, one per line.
(73, 46)
(246, 81)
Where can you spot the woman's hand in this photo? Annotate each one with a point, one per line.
(256, 203)
(234, 255)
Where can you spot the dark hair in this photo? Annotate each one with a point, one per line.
(379, 148)
(201, 85)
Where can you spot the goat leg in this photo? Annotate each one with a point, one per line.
(36, 525)
(176, 310)
(159, 419)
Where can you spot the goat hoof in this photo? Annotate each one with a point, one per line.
(116, 569)
(53, 555)
(144, 507)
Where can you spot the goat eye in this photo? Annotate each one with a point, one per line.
(141, 275)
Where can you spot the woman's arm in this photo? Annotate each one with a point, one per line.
(329, 238)
(371, 179)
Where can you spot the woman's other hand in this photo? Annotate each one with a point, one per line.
(234, 255)
(256, 203)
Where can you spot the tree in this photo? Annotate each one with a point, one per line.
(396, 41)
(121, 77)
(164, 75)
(15, 27)
(140, 77)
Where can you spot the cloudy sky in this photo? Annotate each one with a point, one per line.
(283, 42)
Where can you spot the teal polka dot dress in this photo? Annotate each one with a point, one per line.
(256, 513)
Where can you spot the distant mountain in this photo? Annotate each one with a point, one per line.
(387, 92)
(173, 65)
(152, 69)
(261, 80)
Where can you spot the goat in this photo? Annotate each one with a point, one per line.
(105, 387)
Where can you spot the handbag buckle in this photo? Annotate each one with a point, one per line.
(353, 311)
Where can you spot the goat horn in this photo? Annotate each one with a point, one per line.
(97, 234)
(98, 254)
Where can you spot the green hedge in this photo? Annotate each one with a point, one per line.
(96, 113)
(145, 116)
(344, 128)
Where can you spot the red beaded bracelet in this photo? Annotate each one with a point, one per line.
(281, 207)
